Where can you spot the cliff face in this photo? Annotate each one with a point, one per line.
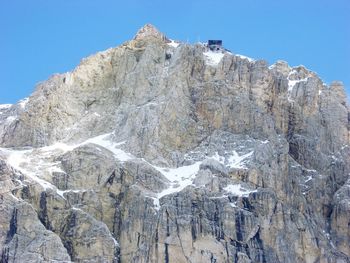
(158, 151)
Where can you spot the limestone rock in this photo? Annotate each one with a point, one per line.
(161, 151)
(148, 30)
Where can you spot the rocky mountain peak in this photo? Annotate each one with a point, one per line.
(161, 151)
(147, 31)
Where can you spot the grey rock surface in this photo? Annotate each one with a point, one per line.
(161, 151)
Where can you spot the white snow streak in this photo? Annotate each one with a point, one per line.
(293, 83)
(11, 119)
(5, 106)
(34, 164)
(234, 160)
(103, 140)
(20, 160)
(245, 57)
(238, 190)
(62, 192)
(272, 66)
(213, 58)
(58, 146)
(179, 179)
(173, 44)
(309, 178)
(182, 177)
(23, 103)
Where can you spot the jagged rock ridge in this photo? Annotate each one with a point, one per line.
(160, 151)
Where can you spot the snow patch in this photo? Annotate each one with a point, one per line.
(293, 83)
(175, 174)
(20, 160)
(36, 163)
(234, 160)
(213, 58)
(104, 141)
(245, 57)
(309, 178)
(55, 169)
(238, 190)
(62, 192)
(183, 176)
(115, 242)
(5, 106)
(173, 44)
(179, 179)
(23, 103)
(77, 209)
(11, 119)
(58, 146)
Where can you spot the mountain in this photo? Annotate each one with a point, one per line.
(161, 151)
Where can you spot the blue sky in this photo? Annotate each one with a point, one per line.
(43, 37)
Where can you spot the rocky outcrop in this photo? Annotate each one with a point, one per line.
(160, 151)
(23, 237)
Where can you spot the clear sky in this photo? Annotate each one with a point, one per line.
(43, 37)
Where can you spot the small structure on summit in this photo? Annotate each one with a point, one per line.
(215, 45)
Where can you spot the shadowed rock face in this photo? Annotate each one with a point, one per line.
(158, 151)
